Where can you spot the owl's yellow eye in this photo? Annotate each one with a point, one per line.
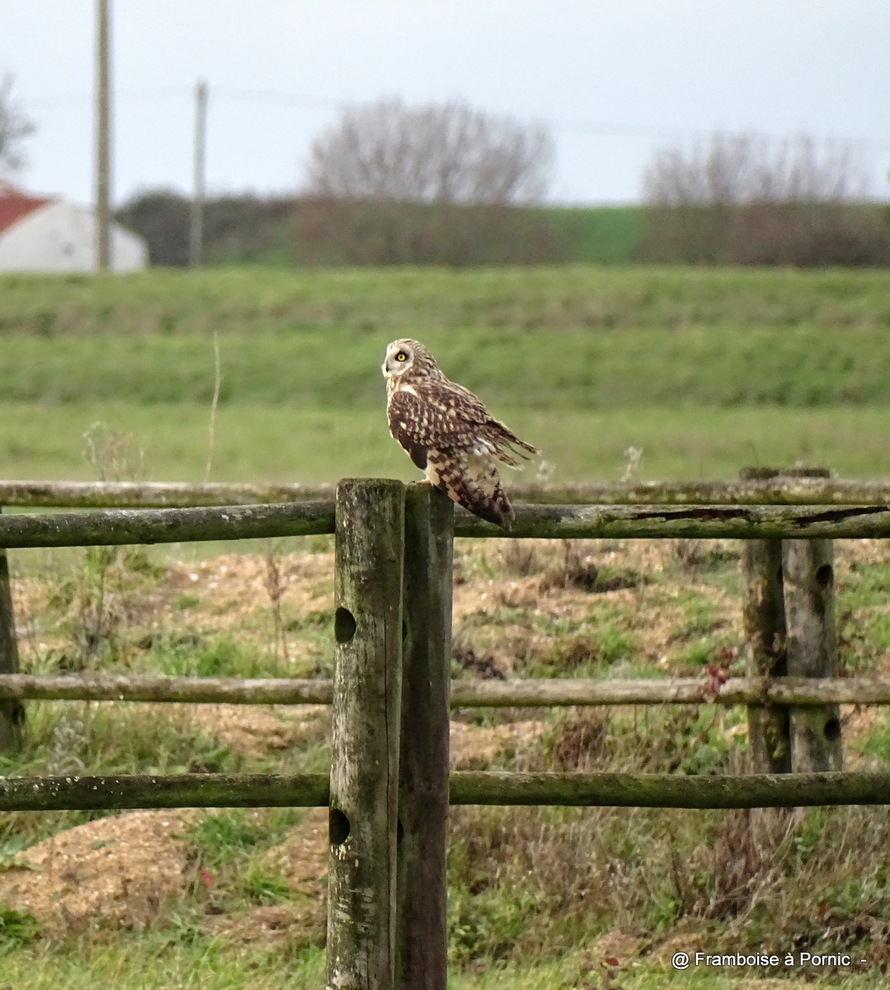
(401, 356)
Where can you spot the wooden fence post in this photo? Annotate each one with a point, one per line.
(12, 711)
(763, 614)
(365, 734)
(808, 574)
(790, 626)
(422, 928)
(808, 568)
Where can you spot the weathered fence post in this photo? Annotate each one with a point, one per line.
(422, 930)
(365, 734)
(12, 711)
(808, 568)
(790, 626)
(763, 615)
(808, 575)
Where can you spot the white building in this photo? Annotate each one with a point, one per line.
(52, 235)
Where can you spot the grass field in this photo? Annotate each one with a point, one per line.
(260, 442)
(704, 371)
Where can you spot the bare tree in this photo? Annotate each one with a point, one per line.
(748, 168)
(746, 198)
(445, 153)
(14, 128)
(440, 184)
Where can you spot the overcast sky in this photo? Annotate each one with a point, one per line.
(614, 80)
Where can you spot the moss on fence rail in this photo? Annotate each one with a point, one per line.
(745, 522)
(144, 495)
(643, 790)
(525, 693)
(114, 527)
(127, 526)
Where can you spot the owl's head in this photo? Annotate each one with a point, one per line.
(406, 356)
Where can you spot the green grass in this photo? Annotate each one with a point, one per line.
(171, 442)
(570, 338)
(258, 442)
(706, 371)
(160, 962)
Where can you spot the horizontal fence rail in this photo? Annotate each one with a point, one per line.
(110, 527)
(115, 527)
(520, 693)
(467, 787)
(130, 494)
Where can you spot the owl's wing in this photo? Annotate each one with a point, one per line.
(440, 415)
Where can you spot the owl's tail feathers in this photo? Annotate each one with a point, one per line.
(477, 488)
(492, 506)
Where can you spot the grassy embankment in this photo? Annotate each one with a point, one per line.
(706, 371)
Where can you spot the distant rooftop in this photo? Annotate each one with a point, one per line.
(14, 204)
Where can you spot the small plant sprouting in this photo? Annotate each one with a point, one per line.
(633, 460)
(274, 584)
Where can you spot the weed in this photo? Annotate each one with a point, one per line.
(632, 464)
(263, 887)
(225, 656)
(17, 927)
(520, 557)
(877, 746)
(274, 584)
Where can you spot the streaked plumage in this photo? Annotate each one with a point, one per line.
(448, 432)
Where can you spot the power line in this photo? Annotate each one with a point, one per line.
(603, 128)
(288, 99)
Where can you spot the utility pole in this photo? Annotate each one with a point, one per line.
(196, 227)
(103, 140)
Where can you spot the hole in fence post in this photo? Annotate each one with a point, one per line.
(344, 625)
(400, 831)
(824, 575)
(338, 827)
(832, 729)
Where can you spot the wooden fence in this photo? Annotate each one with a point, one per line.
(389, 788)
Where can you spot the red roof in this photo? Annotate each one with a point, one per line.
(14, 205)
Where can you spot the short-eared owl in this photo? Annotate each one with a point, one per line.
(448, 432)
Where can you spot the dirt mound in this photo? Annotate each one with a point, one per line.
(115, 872)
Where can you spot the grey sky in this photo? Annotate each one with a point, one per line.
(614, 79)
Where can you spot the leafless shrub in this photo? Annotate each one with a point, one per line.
(751, 200)
(98, 601)
(438, 184)
(445, 153)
